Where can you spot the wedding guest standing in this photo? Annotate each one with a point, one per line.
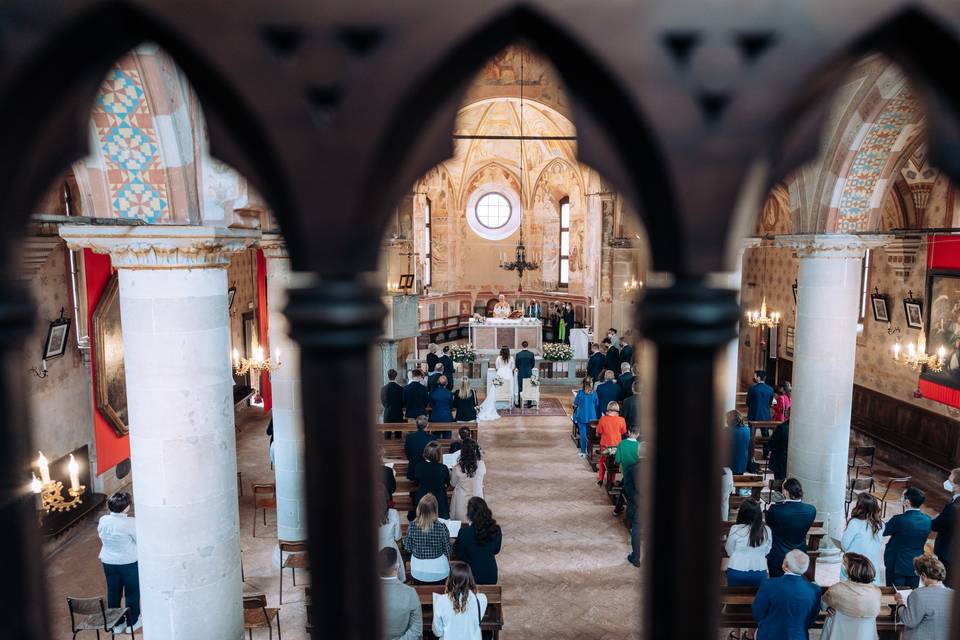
(586, 407)
(479, 542)
(391, 397)
(118, 534)
(467, 478)
(465, 402)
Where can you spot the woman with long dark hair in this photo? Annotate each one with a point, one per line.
(467, 478)
(479, 542)
(864, 534)
(458, 611)
(748, 544)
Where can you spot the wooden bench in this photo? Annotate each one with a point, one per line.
(393, 449)
(736, 612)
(404, 496)
(404, 428)
(814, 537)
(492, 618)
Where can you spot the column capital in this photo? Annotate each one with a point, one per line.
(161, 246)
(831, 245)
(273, 246)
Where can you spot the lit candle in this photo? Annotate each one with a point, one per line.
(44, 363)
(35, 484)
(44, 469)
(941, 354)
(896, 351)
(911, 350)
(278, 356)
(74, 470)
(236, 359)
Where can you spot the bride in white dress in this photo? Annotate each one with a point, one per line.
(505, 370)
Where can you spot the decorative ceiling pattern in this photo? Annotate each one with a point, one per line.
(126, 132)
(870, 160)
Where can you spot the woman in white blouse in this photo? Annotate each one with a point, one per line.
(390, 532)
(748, 544)
(864, 534)
(458, 611)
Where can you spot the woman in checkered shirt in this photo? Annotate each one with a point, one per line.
(428, 542)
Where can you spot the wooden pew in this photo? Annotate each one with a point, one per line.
(736, 613)
(492, 619)
(814, 537)
(411, 427)
(393, 449)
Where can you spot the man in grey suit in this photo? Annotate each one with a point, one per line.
(402, 618)
(525, 362)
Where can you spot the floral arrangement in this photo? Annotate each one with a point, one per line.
(497, 381)
(463, 353)
(478, 319)
(557, 352)
(533, 382)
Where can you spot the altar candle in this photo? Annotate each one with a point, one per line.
(74, 470)
(35, 484)
(236, 359)
(44, 469)
(278, 357)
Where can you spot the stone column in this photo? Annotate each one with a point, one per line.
(690, 323)
(828, 302)
(733, 280)
(287, 399)
(336, 322)
(176, 342)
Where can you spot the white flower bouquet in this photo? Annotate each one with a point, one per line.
(463, 353)
(557, 352)
(497, 381)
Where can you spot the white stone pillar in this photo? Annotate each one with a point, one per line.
(287, 400)
(828, 299)
(733, 280)
(176, 341)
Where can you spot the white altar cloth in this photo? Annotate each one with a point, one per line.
(493, 333)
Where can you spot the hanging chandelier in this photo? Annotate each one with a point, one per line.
(520, 263)
(761, 319)
(258, 363)
(916, 356)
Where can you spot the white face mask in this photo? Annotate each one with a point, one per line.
(949, 486)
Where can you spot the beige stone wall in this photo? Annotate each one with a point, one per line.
(61, 405)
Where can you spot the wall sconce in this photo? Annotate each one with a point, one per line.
(51, 491)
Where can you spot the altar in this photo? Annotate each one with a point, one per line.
(489, 335)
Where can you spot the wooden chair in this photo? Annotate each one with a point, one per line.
(297, 558)
(264, 497)
(894, 488)
(862, 461)
(90, 614)
(257, 615)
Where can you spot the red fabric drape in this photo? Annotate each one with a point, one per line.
(943, 252)
(263, 316)
(111, 448)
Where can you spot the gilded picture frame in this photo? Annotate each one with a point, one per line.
(109, 373)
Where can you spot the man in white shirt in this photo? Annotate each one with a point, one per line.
(118, 533)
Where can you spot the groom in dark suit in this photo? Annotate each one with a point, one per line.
(447, 363)
(525, 362)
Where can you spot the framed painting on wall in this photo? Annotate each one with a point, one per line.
(110, 377)
(913, 310)
(788, 342)
(56, 342)
(880, 311)
(943, 326)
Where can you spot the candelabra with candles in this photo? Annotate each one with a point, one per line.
(520, 264)
(916, 356)
(761, 319)
(51, 491)
(258, 363)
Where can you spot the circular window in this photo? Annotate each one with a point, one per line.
(493, 210)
